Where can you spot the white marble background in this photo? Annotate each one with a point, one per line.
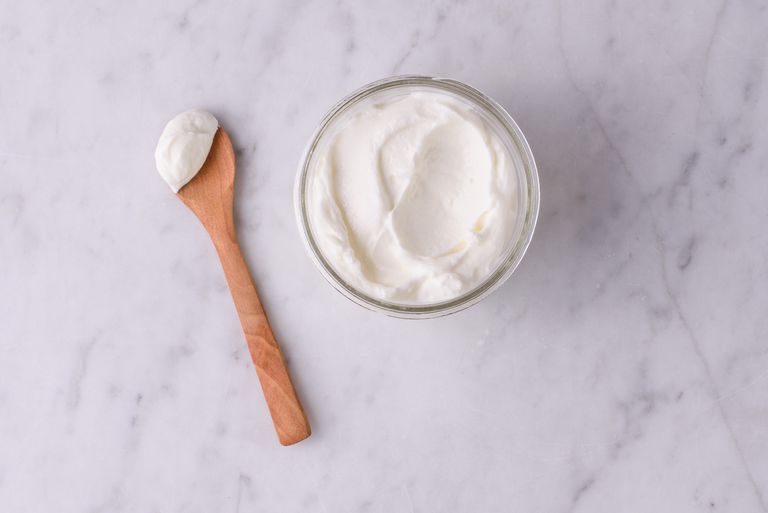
(623, 368)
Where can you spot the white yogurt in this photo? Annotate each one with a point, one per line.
(413, 200)
(184, 145)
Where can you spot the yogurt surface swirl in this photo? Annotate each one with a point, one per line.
(413, 199)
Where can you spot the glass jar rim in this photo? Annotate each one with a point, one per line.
(508, 263)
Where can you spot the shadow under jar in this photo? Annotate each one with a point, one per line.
(349, 262)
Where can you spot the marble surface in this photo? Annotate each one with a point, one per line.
(624, 367)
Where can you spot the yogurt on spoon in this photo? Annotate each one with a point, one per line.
(184, 145)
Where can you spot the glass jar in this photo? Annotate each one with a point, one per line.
(527, 191)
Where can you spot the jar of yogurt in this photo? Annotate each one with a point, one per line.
(417, 196)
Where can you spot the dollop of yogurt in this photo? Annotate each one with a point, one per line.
(413, 199)
(184, 145)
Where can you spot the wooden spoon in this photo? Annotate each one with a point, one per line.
(210, 196)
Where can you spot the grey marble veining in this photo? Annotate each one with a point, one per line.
(622, 368)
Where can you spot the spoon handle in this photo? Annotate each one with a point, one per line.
(287, 414)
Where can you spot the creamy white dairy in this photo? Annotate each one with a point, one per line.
(413, 200)
(184, 146)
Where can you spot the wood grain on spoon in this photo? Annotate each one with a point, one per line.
(210, 196)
